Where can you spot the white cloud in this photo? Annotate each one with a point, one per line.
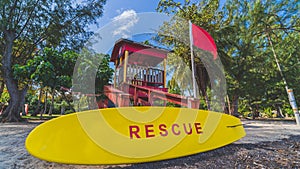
(119, 11)
(124, 22)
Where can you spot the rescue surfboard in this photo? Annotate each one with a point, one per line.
(131, 135)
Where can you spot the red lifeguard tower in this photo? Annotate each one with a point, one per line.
(140, 76)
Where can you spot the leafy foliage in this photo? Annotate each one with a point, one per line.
(243, 32)
(30, 25)
(92, 73)
(51, 68)
(206, 15)
(173, 88)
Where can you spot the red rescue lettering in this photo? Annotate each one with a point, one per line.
(149, 130)
(173, 129)
(190, 131)
(134, 130)
(198, 128)
(163, 130)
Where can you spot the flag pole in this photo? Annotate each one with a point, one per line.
(289, 91)
(192, 59)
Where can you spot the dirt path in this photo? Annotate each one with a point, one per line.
(267, 145)
(263, 131)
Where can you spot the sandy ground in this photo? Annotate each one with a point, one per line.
(268, 131)
(268, 144)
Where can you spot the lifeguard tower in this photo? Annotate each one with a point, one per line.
(140, 76)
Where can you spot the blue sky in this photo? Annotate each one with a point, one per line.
(127, 12)
(114, 8)
(128, 19)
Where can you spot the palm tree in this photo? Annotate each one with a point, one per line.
(180, 73)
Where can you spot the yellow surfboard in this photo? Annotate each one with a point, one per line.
(131, 135)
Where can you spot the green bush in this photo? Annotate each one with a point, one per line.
(69, 111)
(287, 111)
(246, 114)
(32, 101)
(243, 108)
(4, 98)
(56, 108)
(268, 112)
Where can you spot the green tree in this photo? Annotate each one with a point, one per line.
(62, 24)
(252, 71)
(173, 88)
(181, 72)
(49, 69)
(92, 74)
(243, 31)
(206, 14)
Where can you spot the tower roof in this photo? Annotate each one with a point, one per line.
(139, 54)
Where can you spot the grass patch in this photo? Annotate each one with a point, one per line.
(38, 117)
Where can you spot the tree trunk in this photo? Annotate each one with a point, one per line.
(17, 95)
(235, 105)
(17, 100)
(202, 80)
(45, 107)
(2, 105)
(37, 109)
(279, 112)
(92, 103)
(62, 110)
(68, 101)
(227, 109)
(2, 87)
(52, 102)
(207, 101)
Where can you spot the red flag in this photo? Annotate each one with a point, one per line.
(203, 40)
